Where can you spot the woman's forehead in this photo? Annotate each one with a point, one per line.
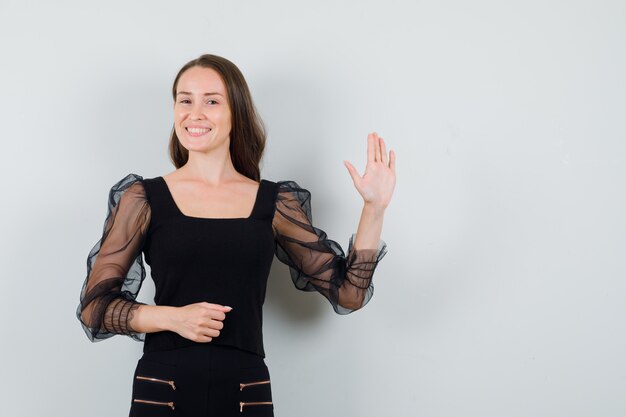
(198, 80)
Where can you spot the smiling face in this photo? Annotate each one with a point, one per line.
(202, 117)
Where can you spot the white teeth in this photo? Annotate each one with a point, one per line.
(196, 130)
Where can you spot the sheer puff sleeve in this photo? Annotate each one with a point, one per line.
(317, 263)
(115, 269)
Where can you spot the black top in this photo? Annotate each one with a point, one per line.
(217, 260)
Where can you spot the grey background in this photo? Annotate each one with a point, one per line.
(503, 290)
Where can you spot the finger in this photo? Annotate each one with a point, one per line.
(376, 147)
(392, 161)
(371, 153)
(218, 306)
(383, 151)
(209, 332)
(213, 314)
(352, 171)
(202, 337)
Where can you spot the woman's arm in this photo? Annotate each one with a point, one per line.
(376, 187)
(115, 270)
(200, 322)
(318, 263)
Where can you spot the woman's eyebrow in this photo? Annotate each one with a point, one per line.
(206, 94)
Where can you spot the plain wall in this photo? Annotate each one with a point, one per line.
(502, 293)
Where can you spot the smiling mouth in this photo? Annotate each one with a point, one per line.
(195, 132)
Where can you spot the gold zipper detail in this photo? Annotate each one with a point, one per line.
(241, 404)
(242, 385)
(147, 378)
(168, 403)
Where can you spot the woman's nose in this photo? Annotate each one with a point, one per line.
(196, 112)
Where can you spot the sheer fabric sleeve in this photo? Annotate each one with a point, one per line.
(317, 263)
(115, 269)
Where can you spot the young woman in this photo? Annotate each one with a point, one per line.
(209, 231)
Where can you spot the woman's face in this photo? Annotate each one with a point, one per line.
(201, 111)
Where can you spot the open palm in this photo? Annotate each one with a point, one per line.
(379, 180)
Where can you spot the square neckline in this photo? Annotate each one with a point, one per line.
(180, 213)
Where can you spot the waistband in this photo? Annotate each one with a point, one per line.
(207, 356)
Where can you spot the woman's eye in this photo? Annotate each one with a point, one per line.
(208, 102)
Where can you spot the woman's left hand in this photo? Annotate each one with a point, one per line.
(377, 184)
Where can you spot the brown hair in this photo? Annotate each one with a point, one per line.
(247, 133)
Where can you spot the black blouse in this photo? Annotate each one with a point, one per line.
(218, 260)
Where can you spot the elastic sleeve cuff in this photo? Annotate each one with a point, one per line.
(361, 263)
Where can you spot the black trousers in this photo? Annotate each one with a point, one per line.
(201, 380)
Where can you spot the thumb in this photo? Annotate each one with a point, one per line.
(218, 306)
(351, 170)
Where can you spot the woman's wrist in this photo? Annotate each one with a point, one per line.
(153, 318)
(168, 318)
(373, 209)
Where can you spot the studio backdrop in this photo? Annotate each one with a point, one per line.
(502, 292)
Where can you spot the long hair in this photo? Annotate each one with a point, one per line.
(247, 134)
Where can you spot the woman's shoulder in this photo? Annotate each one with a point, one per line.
(139, 181)
(284, 184)
(133, 178)
(129, 180)
(290, 192)
(132, 185)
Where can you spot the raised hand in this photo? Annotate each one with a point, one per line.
(379, 180)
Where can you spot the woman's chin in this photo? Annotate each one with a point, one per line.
(201, 145)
